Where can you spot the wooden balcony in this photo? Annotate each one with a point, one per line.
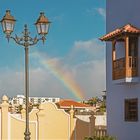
(120, 71)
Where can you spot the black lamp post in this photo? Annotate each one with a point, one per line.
(42, 25)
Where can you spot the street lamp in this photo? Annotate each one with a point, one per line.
(42, 25)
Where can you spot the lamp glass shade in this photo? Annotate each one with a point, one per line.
(3, 26)
(38, 28)
(42, 24)
(8, 26)
(42, 28)
(8, 23)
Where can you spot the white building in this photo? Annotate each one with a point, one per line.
(39, 100)
(20, 100)
(123, 68)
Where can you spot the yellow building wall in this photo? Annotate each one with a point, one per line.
(54, 124)
(46, 123)
(17, 129)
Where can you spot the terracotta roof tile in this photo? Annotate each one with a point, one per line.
(125, 29)
(69, 103)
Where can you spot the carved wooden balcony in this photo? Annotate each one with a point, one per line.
(120, 71)
(124, 70)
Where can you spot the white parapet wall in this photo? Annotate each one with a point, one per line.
(100, 120)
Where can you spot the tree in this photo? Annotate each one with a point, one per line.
(102, 106)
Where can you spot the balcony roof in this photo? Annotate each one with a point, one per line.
(127, 29)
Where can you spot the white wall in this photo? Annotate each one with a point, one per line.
(119, 13)
(100, 120)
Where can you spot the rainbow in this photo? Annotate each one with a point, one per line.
(64, 77)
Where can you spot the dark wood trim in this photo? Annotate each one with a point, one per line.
(126, 55)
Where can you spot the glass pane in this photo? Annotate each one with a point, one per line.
(3, 26)
(9, 26)
(38, 28)
(12, 26)
(44, 28)
(47, 28)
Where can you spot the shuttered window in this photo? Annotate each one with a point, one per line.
(131, 109)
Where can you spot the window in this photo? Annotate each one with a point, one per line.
(131, 109)
(53, 100)
(133, 46)
(39, 101)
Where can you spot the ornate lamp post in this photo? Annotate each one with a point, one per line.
(42, 25)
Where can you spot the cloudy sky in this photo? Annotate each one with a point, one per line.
(71, 63)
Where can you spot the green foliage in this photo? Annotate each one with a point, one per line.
(100, 138)
(92, 101)
(88, 138)
(104, 138)
(96, 101)
(102, 107)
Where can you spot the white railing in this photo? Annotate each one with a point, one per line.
(100, 131)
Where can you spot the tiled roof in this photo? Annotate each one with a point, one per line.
(125, 29)
(69, 103)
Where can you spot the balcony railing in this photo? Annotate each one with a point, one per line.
(119, 68)
(100, 131)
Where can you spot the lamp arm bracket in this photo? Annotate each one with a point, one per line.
(43, 38)
(18, 40)
(25, 43)
(36, 40)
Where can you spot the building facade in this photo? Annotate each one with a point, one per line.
(48, 122)
(123, 68)
(20, 100)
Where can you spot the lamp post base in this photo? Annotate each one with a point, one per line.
(27, 135)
